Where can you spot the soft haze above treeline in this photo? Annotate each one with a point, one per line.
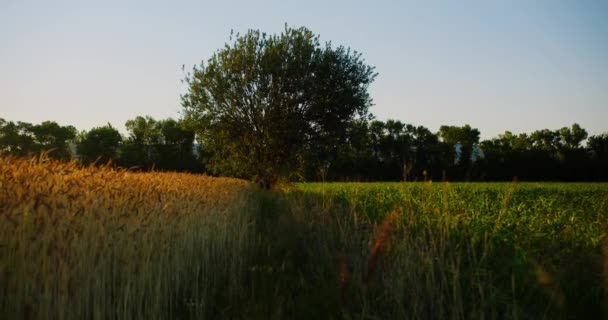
(374, 151)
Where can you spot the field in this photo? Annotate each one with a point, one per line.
(97, 243)
(484, 250)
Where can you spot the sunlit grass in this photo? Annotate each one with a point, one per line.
(95, 243)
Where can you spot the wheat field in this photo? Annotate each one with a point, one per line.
(96, 243)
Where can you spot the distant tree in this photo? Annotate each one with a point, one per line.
(100, 144)
(175, 150)
(377, 131)
(25, 139)
(16, 138)
(397, 149)
(504, 157)
(262, 103)
(138, 149)
(571, 156)
(598, 145)
(509, 141)
(464, 136)
(429, 160)
(545, 139)
(143, 130)
(464, 140)
(390, 151)
(598, 149)
(160, 144)
(572, 137)
(54, 139)
(354, 159)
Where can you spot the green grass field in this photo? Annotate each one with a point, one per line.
(512, 212)
(466, 250)
(95, 243)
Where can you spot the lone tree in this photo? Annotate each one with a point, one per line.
(264, 104)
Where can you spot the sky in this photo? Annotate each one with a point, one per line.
(495, 65)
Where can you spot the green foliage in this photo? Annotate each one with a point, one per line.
(466, 139)
(162, 144)
(143, 130)
(598, 145)
(264, 102)
(15, 138)
(53, 138)
(369, 150)
(25, 139)
(545, 139)
(175, 152)
(572, 137)
(137, 149)
(467, 250)
(99, 145)
(598, 148)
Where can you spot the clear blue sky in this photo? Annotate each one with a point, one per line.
(496, 65)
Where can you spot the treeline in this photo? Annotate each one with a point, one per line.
(395, 151)
(374, 151)
(163, 145)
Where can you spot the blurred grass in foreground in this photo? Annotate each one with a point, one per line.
(471, 250)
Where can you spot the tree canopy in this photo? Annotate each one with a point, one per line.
(25, 139)
(373, 150)
(100, 144)
(161, 144)
(264, 103)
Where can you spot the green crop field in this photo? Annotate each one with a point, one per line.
(474, 250)
(516, 213)
(97, 243)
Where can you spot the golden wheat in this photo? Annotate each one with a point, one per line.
(101, 243)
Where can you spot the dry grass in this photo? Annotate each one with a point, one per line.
(93, 243)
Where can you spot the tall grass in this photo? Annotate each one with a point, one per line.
(462, 251)
(99, 243)
(94, 243)
(406, 265)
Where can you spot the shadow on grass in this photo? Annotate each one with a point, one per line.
(319, 258)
